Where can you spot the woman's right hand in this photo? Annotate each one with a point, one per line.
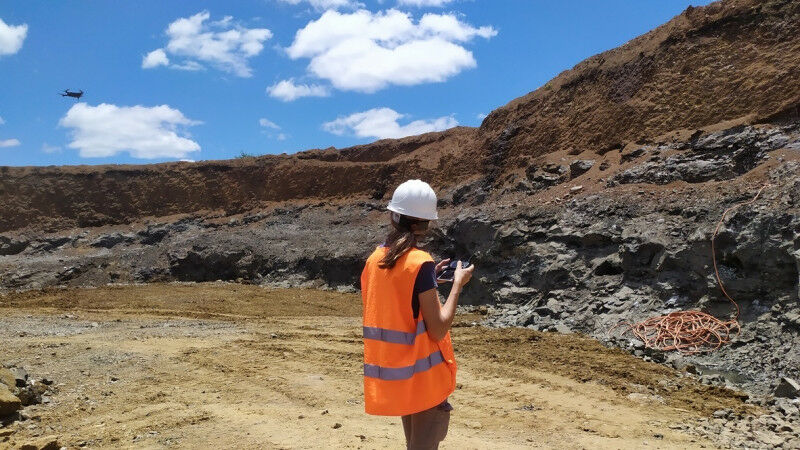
(462, 276)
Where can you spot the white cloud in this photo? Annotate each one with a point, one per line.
(11, 37)
(9, 143)
(144, 132)
(266, 123)
(287, 90)
(323, 5)
(383, 123)
(423, 3)
(270, 125)
(365, 51)
(190, 66)
(222, 44)
(481, 116)
(154, 59)
(47, 148)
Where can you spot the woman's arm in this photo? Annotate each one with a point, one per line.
(438, 318)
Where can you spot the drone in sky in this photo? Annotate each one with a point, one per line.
(68, 93)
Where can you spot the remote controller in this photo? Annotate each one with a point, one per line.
(450, 270)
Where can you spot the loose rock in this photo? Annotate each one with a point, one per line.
(787, 388)
(9, 403)
(579, 167)
(45, 443)
(7, 378)
(20, 376)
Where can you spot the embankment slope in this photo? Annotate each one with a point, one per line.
(730, 61)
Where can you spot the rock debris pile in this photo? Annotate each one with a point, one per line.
(778, 428)
(18, 390)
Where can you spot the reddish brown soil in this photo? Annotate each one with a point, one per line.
(729, 61)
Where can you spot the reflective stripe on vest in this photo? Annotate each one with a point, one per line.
(403, 373)
(394, 336)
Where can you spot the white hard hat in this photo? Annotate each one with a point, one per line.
(414, 198)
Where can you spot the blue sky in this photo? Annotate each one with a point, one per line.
(169, 79)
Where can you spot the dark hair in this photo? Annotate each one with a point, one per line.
(401, 238)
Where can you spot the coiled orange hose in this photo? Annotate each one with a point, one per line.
(691, 332)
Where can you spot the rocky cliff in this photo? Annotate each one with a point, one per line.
(588, 201)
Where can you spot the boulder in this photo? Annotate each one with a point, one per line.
(631, 155)
(579, 167)
(68, 273)
(792, 318)
(10, 246)
(32, 394)
(7, 378)
(787, 388)
(202, 263)
(786, 407)
(9, 403)
(153, 234)
(542, 177)
(44, 443)
(20, 376)
(110, 240)
(48, 244)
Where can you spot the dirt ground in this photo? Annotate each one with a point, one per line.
(223, 365)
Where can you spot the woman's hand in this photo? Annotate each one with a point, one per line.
(439, 318)
(440, 267)
(462, 276)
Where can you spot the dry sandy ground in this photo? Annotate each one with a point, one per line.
(232, 366)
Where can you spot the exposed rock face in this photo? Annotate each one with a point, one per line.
(587, 202)
(582, 263)
(717, 156)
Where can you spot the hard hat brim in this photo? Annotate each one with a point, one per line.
(398, 210)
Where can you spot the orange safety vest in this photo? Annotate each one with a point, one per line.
(405, 371)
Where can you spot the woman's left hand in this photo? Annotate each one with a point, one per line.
(440, 267)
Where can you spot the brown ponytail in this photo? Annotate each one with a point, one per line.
(401, 239)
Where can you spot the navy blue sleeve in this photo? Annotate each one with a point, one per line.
(426, 280)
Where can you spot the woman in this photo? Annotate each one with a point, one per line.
(409, 367)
